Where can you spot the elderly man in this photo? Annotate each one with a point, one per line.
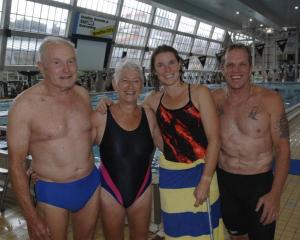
(51, 121)
(254, 131)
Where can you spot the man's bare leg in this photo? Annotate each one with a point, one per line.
(138, 215)
(57, 220)
(84, 221)
(113, 217)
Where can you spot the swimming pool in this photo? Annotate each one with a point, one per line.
(290, 92)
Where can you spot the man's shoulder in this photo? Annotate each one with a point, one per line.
(152, 99)
(27, 97)
(267, 94)
(218, 94)
(82, 92)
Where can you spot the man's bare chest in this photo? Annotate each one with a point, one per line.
(245, 119)
(57, 121)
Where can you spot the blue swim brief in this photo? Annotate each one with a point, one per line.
(72, 195)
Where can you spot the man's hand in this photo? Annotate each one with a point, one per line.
(103, 104)
(270, 203)
(38, 229)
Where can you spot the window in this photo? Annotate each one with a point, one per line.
(210, 64)
(147, 59)
(218, 34)
(36, 17)
(199, 46)
(131, 34)
(213, 48)
(62, 1)
(239, 37)
(21, 50)
(137, 11)
(133, 54)
(105, 6)
(158, 38)
(182, 43)
(1, 10)
(164, 18)
(204, 30)
(186, 25)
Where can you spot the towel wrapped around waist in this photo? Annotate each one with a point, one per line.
(181, 219)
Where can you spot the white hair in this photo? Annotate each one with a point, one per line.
(130, 65)
(51, 40)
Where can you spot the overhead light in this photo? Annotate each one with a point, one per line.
(261, 25)
(237, 12)
(269, 30)
(250, 19)
(296, 7)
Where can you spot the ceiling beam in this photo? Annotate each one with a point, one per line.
(270, 18)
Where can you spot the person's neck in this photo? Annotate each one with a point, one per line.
(239, 95)
(127, 107)
(174, 90)
(56, 91)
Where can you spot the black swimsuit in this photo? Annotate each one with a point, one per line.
(126, 158)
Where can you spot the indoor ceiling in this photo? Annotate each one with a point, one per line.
(274, 14)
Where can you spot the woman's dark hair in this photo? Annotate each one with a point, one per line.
(158, 50)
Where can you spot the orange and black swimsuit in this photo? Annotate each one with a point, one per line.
(183, 132)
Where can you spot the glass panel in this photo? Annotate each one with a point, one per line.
(218, 34)
(213, 48)
(136, 10)
(36, 17)
(199, 46)
(106, 6)
(204, 30)
(182, 43)
(63, 1)
(158, 38)
(164, 18)
(186, 25)
(21, 50)
(210, 64)
(131, 34)
(1, 10)
(133, 54)
(147, 59)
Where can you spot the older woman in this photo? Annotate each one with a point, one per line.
(125, 136)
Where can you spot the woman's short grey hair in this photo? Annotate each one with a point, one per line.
(129, 65)
(51, 40)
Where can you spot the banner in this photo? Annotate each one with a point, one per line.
(202, 60)
(186, 63)
(260, 48)
(219, 55)
(124, 54)
(93, 26)
(281, 44)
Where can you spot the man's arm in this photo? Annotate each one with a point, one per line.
(280, 137)
(152, 100)
(18, 136)
(98, 125)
